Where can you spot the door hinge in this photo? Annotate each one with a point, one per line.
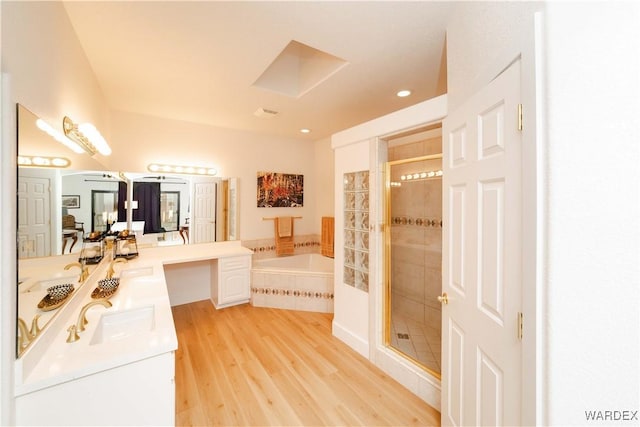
(519, 116)
(520, 325)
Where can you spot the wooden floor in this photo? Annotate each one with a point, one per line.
(250, 366)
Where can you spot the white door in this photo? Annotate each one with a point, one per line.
(481, 265)
(203, 227)
(34, 228)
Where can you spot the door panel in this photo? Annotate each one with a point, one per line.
(491, 250)
(457, 238)
(482, 257)
(455, 374)
(34, 229)
(204, 212)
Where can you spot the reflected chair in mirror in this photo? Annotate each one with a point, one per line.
(70, 230)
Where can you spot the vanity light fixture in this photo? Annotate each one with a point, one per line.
(188, 170)
(58, 136)
(86, 136)
(44, 161)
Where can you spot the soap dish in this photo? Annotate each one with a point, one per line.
(106, 288)
(99, 293)
(57, 296)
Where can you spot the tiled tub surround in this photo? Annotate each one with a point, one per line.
(266, 248)
(299, 282)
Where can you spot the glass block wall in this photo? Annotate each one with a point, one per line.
(356, 229)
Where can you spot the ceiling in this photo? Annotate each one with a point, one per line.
(198, 61)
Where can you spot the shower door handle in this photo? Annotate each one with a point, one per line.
(444, 298)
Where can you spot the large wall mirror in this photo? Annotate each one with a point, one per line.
(58, 206)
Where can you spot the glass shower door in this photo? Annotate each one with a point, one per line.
(413, 258)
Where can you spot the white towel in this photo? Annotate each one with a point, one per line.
(284, 226)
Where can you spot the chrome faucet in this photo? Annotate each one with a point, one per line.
(82, 319)
(111, 271)
(84, 270)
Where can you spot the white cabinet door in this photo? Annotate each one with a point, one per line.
(231, 281)
(235, 286)
(481, 266)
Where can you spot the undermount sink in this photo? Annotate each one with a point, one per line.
(42, 285)
(136, 272)
(123, 324)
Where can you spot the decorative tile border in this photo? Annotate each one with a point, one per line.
(290, 292)
(420, 222)
(266, 248)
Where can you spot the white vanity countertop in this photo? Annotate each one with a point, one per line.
(142, 284)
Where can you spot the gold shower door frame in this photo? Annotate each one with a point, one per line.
(387, 257)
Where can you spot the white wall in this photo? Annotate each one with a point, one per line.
(592, 284)
(351, 305)
(139, 140)
(481, 35)
(49, 73)
(323, 171)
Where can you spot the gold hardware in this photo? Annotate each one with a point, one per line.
(73, 335)
(520, 117)
(84, 270)
(520, 325)
(25, 336)
(35, 328)
(72, 132)
(82, 319)
(111, 271)
(444, 298)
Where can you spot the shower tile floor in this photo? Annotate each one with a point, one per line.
(417, 340)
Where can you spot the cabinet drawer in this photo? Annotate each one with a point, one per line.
(235, 263)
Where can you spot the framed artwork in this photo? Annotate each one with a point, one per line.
(71, 201)
(280, 190)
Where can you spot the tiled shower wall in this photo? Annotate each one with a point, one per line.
(416, 251)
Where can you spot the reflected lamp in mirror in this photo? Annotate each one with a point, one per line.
(188, 170)
(44, 161)
(86, 136)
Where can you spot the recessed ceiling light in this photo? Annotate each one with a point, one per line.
(403, 93)
(305, 130)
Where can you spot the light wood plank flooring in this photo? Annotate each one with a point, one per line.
(249, 366)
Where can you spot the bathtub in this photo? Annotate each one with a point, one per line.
(298, 282)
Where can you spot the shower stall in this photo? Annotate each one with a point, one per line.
(413, 253)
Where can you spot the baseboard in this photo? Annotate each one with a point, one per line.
(355, 342)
